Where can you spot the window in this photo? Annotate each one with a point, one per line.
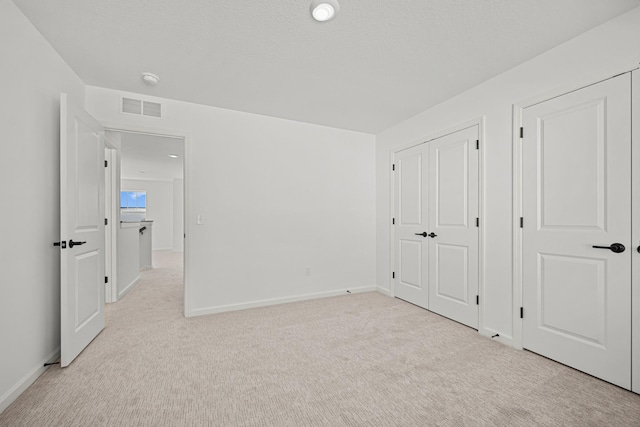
(133, 201)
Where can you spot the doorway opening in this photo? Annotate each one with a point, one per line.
(145, 205)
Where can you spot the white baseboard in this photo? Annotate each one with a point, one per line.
(485, 332)
(129, 287)
(275, 301)
(384, 291)
(501, 338)
(12, 394)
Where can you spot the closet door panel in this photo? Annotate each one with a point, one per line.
(453, 209)
(410, 246)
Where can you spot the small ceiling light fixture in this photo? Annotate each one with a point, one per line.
(150, 79)
(324, 10)
(173, 156)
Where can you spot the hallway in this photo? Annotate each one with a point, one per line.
(110, 376)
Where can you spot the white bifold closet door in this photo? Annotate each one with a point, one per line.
(576, 195)
(436, 225)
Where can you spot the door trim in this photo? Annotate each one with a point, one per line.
(111, 242)
(518, 113)
(635, 231)
(480, 123)
(186, 170)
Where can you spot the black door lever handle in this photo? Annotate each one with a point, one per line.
(615, 247)
(424, 234)
(72, 243)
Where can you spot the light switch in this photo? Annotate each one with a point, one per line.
(199, 219)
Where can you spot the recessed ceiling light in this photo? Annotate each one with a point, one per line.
(324, 10)
(173, 156)
(150, 79)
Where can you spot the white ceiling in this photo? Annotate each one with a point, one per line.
(147, 157)
(378, 63)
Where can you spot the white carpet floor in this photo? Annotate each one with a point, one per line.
(353, 360)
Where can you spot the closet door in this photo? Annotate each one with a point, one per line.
(411, 210)
(453, 227)
(576, 190)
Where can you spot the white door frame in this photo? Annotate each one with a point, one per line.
(111, 239)
(635, 231)
(518, 112)
(186, 170)
(479, 122)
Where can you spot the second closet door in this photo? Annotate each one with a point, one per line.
(436, 232)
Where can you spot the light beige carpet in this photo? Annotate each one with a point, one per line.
(353, 360)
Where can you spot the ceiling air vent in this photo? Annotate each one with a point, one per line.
(141, 108)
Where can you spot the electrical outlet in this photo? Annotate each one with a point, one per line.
(307, 271)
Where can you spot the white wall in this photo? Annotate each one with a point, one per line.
(159, 208)
(178, 215)
(614, 42)
(32, 76)
(275, 196)
(128, 258)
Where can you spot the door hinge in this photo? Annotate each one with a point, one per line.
(106, 163)
(477, 222)
(393, 221)
(477, 299)
(62, 244)
(106, 279)
(522, 312)
(521, 132)
(106, 221)
(393, 167)
(477, 144)
(521, 222)
(393, 275)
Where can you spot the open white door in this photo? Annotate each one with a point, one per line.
(81, 230)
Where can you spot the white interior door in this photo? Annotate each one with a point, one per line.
(82, 229)
(453, 226)
(576, 171)
(411, 210)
